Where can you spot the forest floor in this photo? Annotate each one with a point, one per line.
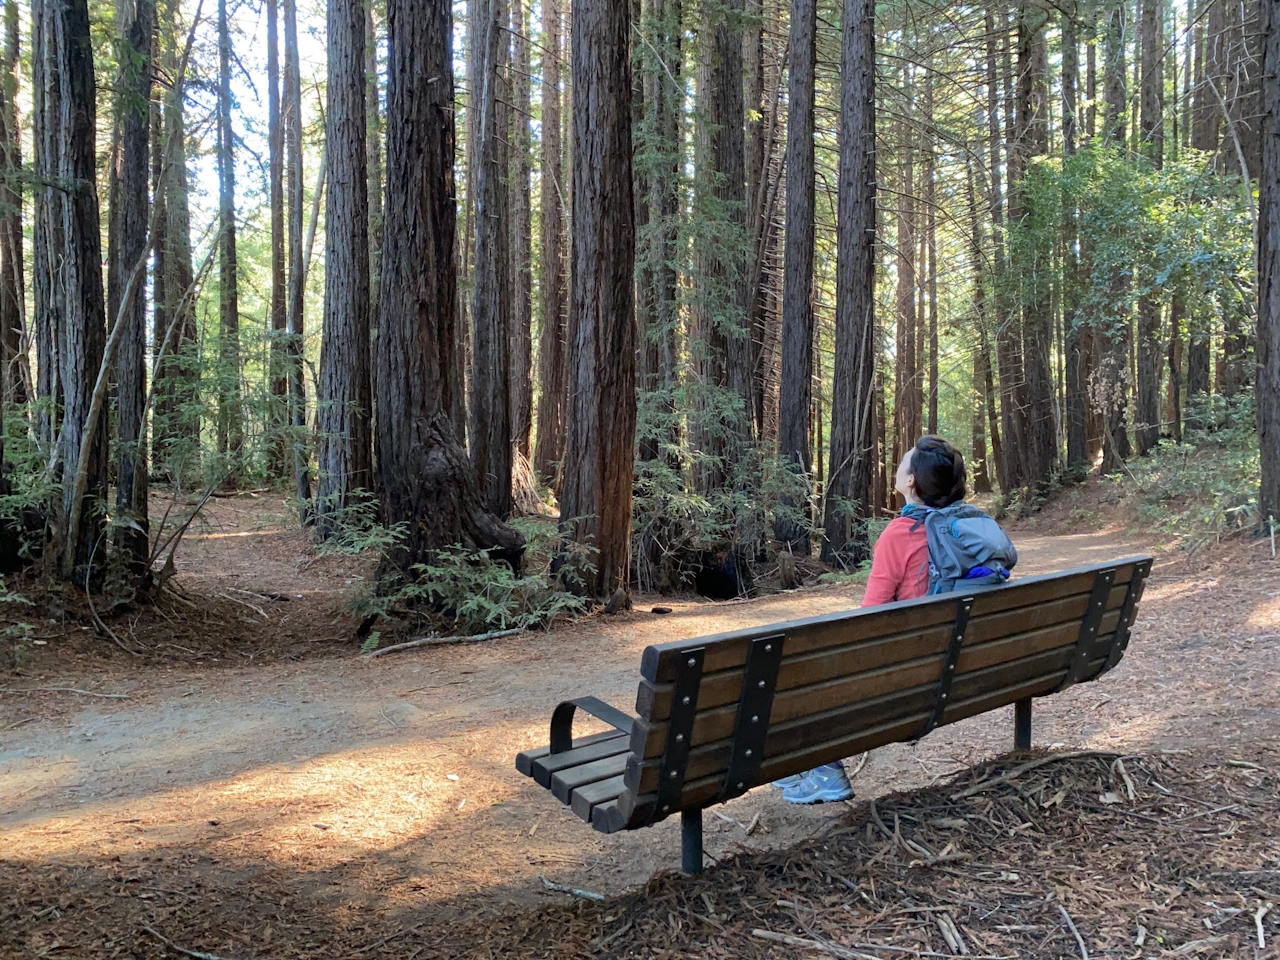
(247, 786)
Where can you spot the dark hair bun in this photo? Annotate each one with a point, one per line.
(938, 469)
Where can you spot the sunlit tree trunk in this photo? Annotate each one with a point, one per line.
(426, 480)
(853, 441)
(489, 427)
(1268, 344)
(520, 267)
(598, 465)
(344, 401)
(277, 309)
(133, 109)
(295, 344)
(1151, 125)
(796, 387)
(230, 414)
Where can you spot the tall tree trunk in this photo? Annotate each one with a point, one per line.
(230, 415)
(930, 262)
(905, 413)
(1147, 432)
(175, 421)
(548, 450)
(489, 432)
(598, 465)
(344, 401)
(68, 282)
(797, 305)
(996, 206)
(295, 344)
(981, 354)
(1268, 343)
(17, 384)
(1076, 348)
(373, 152)
(1040, 432)
(1113, 361)
(277, 310)
(426, 480)
(719, 343)
(133, 117)
(521, 264)
(853, 441)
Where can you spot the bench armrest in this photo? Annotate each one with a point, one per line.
(562, 720)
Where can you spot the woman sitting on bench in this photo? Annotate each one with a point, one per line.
(930, 478)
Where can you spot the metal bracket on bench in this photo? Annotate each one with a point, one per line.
(562, 720)
(1124, 625)
(759, 680)
(1089, 626)
(949, 667)
(684, 707)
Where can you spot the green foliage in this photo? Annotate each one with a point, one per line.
(1205, 489)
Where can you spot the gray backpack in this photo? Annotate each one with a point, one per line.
(966, 547)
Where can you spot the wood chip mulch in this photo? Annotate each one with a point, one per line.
(1063, 855)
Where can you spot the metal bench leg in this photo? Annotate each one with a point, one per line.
(1022, 724)
(691, 840)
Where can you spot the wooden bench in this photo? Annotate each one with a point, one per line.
(719, 715)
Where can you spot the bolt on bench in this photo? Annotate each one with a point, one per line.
(719, 715)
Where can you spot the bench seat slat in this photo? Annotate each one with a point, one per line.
(525, 759)
(566, 781)
(588, 797)
(545, 767)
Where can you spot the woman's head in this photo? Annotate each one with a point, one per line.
(932, 473)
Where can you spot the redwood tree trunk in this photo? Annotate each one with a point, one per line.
(278, 314)
(1147, 433)
(853, 441)
(426, 480)
(548, 448)
(17, 384)
(521, 263)
(796, 387)
(230, 421)
(489, 430)
(596, 494)
(1076, 359)
(1268, 343)
(344, 403)
(69, 294)
(295, 344)
(133, 109)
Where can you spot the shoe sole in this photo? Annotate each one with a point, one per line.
(823, 796)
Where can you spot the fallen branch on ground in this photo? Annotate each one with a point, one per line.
(438, 641)
(87, 693)
(1030, 765)
(572, 891)
(190, 953)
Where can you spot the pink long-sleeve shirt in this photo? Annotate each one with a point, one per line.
(900, 566)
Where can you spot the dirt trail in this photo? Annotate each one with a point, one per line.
(388, 787)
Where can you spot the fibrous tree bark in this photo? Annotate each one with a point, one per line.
(68, 283)
(520, 267)
(1111, 386)
(598, 465)
(996, 207)
(1151, 125)
(1039, 434)
(426, 480)
(175, 421)
(230, 416)
(133, 120)
(18, 385)
(1076, 362)
(853, 441)
(344, 401)
(1267, 385)
(277, 309)
(373, 152)
(548, 450)
(721, 339)
(796, 386)
(291, 94)
(489, 432)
